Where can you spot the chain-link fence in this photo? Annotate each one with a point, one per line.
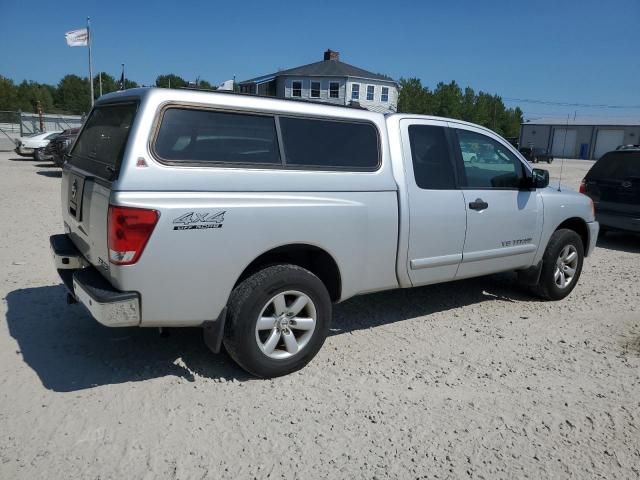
(18, 124)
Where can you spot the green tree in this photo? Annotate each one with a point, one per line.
(414, 98)
(170, 81)
(448, 100)
(109, 84)
(8, 94)
(30, 94)
(72, 95)
(206, 85)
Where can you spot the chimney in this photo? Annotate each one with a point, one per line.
(331, 55)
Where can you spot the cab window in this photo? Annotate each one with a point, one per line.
(432, 166)
(487, 163)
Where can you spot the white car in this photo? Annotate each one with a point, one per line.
(34, 145)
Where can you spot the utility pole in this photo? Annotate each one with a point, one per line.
(39, 109)
(90, 69)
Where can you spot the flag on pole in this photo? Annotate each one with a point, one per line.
(77, 38)
(121, 84)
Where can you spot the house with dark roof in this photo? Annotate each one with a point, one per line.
(329, 81)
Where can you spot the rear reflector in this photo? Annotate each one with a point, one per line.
(583, 186)
(129, 231)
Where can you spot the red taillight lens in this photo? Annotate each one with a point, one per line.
(129, 231)
(583, 186)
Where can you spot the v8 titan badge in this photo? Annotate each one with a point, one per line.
(199, 221)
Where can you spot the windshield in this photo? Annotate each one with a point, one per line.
(616, 166)
(102, 142)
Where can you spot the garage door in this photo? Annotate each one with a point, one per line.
(564, 143)
(606, 141)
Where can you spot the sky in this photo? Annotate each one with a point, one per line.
(576, 52)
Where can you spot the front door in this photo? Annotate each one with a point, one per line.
(437, 217)
(503, 221)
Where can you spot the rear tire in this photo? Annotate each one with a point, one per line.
(561, 265)
(267, 332)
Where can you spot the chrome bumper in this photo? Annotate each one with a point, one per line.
(86, 285)
(594, 229)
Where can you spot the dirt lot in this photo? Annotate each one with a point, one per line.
(470, 379)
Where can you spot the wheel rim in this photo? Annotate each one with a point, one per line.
(286, 324)
(566, 266)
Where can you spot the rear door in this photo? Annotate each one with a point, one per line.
(88, 175)
(504, 222)
(437, 217)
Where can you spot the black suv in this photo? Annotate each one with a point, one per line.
(61, 145)
(613, 183)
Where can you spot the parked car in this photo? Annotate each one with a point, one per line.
(613, 183)
(536, 154)
(60, 146)
(250, 216)
(34, 145)
(627, 147)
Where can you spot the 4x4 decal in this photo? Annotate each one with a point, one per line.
(199, 220)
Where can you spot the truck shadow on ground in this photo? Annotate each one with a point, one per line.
(50, 173)
(620, 241)
(70, 351)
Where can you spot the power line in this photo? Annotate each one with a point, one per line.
(568, 104)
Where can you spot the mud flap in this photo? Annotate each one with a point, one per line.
(213, 332)
(530, 276)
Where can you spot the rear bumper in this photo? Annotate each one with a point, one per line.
(109, 306)
(594, 229)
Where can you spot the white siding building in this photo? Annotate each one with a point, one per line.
(329, 81)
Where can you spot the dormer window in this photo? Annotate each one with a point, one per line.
(315, 89)
(334, 89)
(371, 89)
(355, 91)
(384, 96)
(296, 88)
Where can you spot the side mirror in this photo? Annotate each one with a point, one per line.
(540, 178)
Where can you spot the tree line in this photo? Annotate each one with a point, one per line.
(71, 94)
(449, 100)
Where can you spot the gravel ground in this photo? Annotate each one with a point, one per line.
(470, 379)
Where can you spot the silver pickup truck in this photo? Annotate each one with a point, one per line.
(250, 216)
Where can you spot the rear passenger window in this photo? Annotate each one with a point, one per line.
(189, 135)
(432, 166)
(329, 144)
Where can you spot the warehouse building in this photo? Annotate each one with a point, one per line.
(579, 138)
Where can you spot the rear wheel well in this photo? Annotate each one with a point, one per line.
(579, 226)
(314, 259)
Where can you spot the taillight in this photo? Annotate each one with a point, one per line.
(129, 231)
(583, 186)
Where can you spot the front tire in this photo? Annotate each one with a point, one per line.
(561, 265)
(278, 319)
(38, 154)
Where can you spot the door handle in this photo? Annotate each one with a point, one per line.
(479, 204)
